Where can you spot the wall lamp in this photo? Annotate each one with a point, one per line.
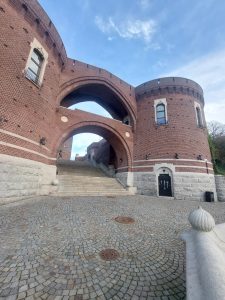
(43, 140)
(199, 157)
(147, 156)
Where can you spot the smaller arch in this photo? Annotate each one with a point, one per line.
(115, 139)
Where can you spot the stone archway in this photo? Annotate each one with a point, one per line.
(115, 137)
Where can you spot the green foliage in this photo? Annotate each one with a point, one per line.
(212, 147)
(217, 148)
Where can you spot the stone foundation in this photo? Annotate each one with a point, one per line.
(185, 186)
(192, 186)
(220, 187)
(145, 183)
(20, 178)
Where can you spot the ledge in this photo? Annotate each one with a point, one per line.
(205, 259)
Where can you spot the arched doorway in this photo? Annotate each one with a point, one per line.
(165, 182)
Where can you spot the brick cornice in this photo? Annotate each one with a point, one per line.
(170, 85)
(34, 14)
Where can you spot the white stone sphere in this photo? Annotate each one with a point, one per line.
(55, 182)
(201, 220)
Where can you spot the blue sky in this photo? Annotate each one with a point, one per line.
(139, 40)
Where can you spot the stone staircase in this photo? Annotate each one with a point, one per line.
(82, 179)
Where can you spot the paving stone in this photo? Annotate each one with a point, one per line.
(50, 248)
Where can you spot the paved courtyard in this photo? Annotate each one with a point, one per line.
(50, 248)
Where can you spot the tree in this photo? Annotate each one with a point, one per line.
(216, 129)
(217, 145)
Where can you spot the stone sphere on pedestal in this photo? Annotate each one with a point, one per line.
(201, 220)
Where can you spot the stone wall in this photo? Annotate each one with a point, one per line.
(220, 187)
(185, 186)
(192, 186)
(21, 178)
(145, 183)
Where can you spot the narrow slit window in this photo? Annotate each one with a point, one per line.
(199, 117)
(35, 65)
(161, 114)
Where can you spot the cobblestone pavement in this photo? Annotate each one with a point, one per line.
(50, 248)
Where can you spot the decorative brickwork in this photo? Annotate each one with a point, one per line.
(35, 121)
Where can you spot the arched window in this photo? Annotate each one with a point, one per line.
(199, 117)
(35, 65)
(161, 114)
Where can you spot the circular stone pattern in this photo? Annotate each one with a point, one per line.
(124, 220)
(109, 254)
(64, 119)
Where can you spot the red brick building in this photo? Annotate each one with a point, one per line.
(158, 132)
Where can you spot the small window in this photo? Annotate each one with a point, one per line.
(161, 114)
(199, 117)
(35, 65)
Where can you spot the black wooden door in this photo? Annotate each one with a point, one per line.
(165, 185)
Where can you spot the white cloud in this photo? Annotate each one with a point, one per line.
(209, 72)
(82, 141)
(128, 29)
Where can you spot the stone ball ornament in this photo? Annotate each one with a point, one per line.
(201, 220)
(55, 182)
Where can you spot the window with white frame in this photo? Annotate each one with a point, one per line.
(199, 116)
(160, 106)
(36, 63)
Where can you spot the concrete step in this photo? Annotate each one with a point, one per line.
(82, 179)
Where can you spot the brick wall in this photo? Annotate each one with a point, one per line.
(181, 135)
(29, 112)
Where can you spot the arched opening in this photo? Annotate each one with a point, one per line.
(110, 148)
(81, 142)
(103, 96)
(91, 107)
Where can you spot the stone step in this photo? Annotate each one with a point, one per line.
(87, 181)
(91, 191)
(89, 187)
(61, 189)
(82, 179)
(69, 194)
(93, 183)
(79, 177)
